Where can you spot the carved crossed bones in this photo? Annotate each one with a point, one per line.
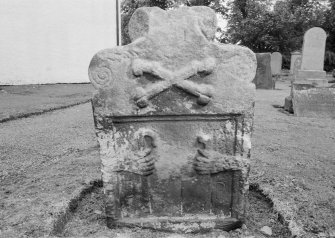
(169, 78)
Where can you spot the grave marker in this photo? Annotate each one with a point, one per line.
(313, 55)
(173, 114)
(276, 63)
(263, 78)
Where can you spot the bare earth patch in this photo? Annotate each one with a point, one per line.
(46, 160)
(88, 220)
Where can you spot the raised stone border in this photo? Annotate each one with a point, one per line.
(285, 213)
(66, 212)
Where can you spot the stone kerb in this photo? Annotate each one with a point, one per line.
(310, 101)
(276, 63)
(313, 55)
(173, 113)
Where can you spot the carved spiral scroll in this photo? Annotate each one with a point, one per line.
(100, 72)
(100, 76)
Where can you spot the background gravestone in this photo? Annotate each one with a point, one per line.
(276, 63)
(310, 94)
(294, 56)
(313, 55)
(173, 114)
(263, 78)
(297, 65)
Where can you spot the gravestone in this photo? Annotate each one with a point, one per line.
(313, 52)
(173, 114)
(263, 78)
(276, 63)
(294, 66)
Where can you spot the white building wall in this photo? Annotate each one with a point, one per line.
(53, 41)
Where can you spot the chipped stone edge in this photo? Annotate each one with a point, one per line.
(64, 213)
(286, 214)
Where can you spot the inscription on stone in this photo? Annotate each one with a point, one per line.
(294, 56)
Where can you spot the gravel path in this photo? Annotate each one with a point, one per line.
(25, 100)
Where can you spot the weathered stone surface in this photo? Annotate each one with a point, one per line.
(313, 54)
(173, 114)
(263, 78)
(297, 65)
(288, 106)
(276, 63)
(295, 62)
(310, 101)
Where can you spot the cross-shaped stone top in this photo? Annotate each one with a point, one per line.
(172, 50)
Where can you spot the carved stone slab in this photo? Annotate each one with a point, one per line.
(263, 78)
(173, 114)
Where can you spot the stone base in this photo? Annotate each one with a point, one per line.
(183, 224)
(311, 74)
(309, 101)
(319, 83)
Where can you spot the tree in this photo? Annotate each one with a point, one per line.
(257, 26)
(249, 24)
(329, 27)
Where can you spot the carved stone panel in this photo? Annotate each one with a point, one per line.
(175, 166)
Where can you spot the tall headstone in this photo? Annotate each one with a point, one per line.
(313, 55)
(294, 57)
(276, 63)
(173, 113)
(263, 78)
